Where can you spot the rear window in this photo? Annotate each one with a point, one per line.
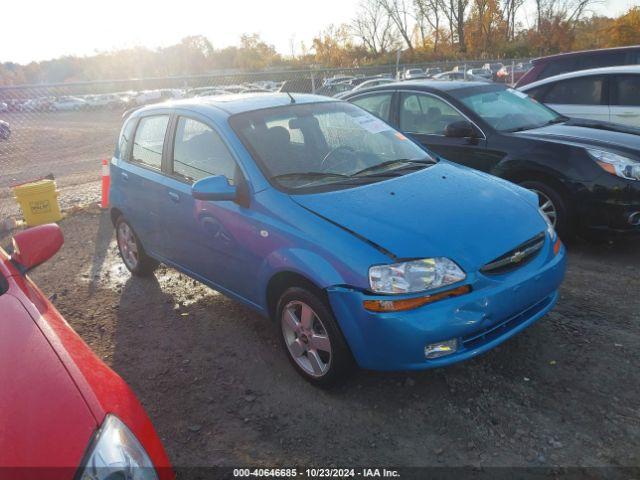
(577, 91)
(149, 140)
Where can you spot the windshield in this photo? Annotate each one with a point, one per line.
(510, 111)
(323, 146)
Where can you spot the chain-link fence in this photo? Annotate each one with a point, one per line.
(65, 130)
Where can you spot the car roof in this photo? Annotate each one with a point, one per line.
(236, 103)
(426, 85)
(584, 52)
(584, 73)
(443, 85)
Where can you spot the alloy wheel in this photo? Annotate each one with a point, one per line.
(306, 338)
(128, 245)
(547, 206)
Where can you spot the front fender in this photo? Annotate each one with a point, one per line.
(319, 270)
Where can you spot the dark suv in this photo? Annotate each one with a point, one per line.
(569, 62)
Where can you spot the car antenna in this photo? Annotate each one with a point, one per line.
(293, 100)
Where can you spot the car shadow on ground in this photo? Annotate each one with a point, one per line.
(220, 391)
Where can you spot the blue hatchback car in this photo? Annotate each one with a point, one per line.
(363, 247)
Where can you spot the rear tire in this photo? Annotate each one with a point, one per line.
(131, 250)
(553, 203)
(312, 339)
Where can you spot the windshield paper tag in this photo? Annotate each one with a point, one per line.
(371, 123)
(518, 93)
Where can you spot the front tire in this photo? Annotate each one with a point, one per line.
(554, 206)
(311, 337)
(131, 251)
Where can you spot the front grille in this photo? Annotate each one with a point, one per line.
(516, 257)
(483, 336)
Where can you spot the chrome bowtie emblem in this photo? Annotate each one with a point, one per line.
(517, 257)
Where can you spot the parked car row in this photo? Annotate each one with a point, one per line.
(586, 173)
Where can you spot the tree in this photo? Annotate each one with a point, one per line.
(375, 29)
(626, 29)
(485, 27)
(455, 11)
(400, 15)
(510, 10)
(429, 11)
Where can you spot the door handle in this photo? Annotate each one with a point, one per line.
(174, 197)
(124, 175)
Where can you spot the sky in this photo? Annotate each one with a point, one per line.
(40, 30)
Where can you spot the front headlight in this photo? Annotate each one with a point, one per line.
(117, 453)
(550, 230)
(616, 164)
(414, 276)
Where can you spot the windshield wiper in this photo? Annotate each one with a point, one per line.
(531, 127)
(383, 165)
(308, 175)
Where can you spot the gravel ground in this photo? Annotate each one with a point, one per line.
(221, 392)
(70, 145)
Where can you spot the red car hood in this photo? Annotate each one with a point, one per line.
(44, 420)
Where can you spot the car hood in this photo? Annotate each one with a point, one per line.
(45, 420)
(590, 133)
(444, 210)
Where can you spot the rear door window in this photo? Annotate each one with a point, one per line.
(199, 152)
(149, 140)
(577, 91)
(627, 89)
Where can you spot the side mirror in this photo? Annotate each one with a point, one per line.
(214, 188)
(36, 245)
(460, 129)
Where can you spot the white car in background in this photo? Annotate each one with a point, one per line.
(481, 72)
(68, 103)
(105, 100)
(609, 94)
(414, 74)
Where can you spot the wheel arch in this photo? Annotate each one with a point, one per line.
(283, 280)
(115, 213)
(518, 171)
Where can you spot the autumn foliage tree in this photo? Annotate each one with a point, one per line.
(423, 30)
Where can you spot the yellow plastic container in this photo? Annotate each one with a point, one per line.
(39, 202)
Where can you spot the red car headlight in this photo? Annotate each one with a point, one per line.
(117, 453)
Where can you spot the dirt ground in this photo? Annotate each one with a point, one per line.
(220, 391)
(70, 145)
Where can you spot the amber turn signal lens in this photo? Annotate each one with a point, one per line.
(556, 246)
(411, 303)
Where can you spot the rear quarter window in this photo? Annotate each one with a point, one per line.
(122, 147)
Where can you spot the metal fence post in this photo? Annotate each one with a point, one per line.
(313, 81)
(513, 72)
